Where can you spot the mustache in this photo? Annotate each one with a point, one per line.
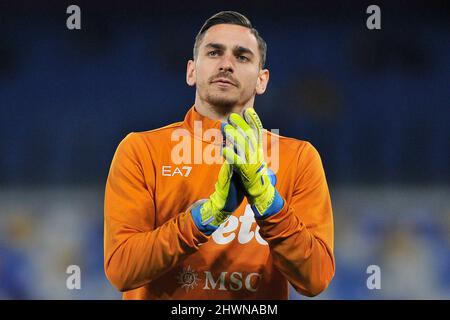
(225, 75)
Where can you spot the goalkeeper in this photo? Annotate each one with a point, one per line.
(244, 226)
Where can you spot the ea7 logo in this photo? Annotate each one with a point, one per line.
(235, 281)
(169, 171)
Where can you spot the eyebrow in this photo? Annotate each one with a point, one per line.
(236, 49)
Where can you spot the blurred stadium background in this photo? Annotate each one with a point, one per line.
(376, 104)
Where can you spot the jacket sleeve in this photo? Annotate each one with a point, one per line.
(135, 251)
(300, 236)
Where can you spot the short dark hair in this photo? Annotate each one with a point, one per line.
(231, 17)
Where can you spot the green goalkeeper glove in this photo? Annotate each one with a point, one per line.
(247, 156)
(208, 214)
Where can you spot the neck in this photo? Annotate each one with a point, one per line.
(218, 113)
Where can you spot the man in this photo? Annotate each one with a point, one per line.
(179, 224)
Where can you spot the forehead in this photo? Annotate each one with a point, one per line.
(231, 35)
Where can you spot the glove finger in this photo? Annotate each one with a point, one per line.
(238, 122)
(238, 142)
(255, 123)
(225, 175)
(222, 187)
(252, 118)
(235, 192)
(243, 128)
(231, 157)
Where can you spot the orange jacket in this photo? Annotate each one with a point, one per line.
(153, 250)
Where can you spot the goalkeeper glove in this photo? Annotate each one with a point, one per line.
(247, 156)
(208, 214)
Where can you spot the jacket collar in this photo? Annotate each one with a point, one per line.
(198, 124)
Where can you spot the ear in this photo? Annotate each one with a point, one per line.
(190, 73)
(263, 80)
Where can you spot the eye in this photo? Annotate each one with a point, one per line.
(213, 53)
(243, 58)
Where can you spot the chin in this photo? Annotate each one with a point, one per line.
(222, 101)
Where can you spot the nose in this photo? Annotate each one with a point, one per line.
(226, 64)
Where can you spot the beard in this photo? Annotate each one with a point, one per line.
(221, 102)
